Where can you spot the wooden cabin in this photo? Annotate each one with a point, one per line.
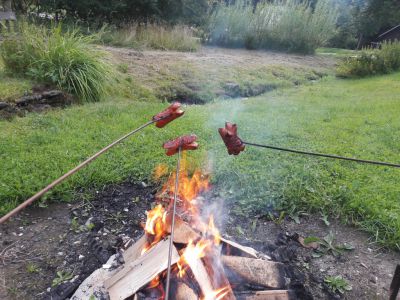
(391, 35)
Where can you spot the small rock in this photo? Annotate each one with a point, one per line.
(373, 279)
(364, 265)
(88, 221)
(77, 243)
(60, 253)
(144, 185)
(126, 210)
(81, 257)
(20, 234)
(106, 266)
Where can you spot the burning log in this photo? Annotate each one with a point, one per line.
(257, 271)
(183, 233)
(136, 274)
(267, 295)
(200, 274)
(184, 292)
(217, 273)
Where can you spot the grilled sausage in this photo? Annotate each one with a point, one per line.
(232, 142)
(186, 142)
(173, 112)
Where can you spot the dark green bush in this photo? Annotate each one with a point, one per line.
(371, 61)
(67, 60)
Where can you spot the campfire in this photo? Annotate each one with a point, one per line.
(204, 265)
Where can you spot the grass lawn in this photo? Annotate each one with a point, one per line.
(12, 88)
(336, 52)
(345, 117)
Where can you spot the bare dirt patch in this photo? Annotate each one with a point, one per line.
(76, 239)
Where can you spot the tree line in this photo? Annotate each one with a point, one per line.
(359, 20)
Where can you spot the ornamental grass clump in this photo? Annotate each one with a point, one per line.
(67, 60)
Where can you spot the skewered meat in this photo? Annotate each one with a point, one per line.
(173, 112)
(231, 139)
(187, 142)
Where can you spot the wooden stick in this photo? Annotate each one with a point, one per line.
(244, 250)
(266, 295)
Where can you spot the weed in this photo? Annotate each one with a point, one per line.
(61, 277)
(324, 218)
(337, 284)
(328, 246)
(32, 268)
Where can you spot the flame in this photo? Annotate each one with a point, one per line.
(155, 225)
(217, 294)
(158, 223)
(195, 251)
(214, 231)
(188, 188)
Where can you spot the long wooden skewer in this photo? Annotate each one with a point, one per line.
(171, 239)
(69, 173)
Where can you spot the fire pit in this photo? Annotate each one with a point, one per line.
(205, 265)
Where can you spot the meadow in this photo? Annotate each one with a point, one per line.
(356, 118)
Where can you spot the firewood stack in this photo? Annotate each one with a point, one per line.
(204, 264)
(229, 271)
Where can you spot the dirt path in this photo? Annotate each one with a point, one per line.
(75, 239)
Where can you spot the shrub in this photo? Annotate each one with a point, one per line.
(371, 61)
(291, 26)
(64, 59)
(154, 36)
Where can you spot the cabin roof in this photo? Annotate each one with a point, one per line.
(389, 31)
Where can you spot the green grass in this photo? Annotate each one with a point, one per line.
(346, 117)
(12, 88)
(336, 52)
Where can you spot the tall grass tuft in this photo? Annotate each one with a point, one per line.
(280, 25)
(153, 36)
(371, 61)
(67, 60)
